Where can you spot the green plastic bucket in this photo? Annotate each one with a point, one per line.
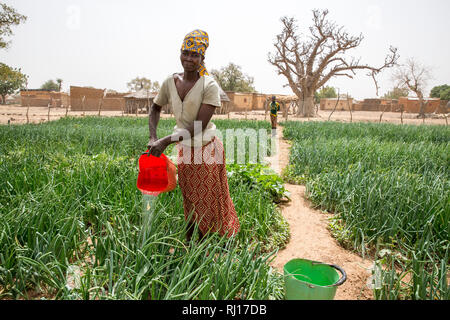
(311, 280)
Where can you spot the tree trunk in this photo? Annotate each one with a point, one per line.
(421, 104)
(3, 98)
(301, 104)
(308, 107)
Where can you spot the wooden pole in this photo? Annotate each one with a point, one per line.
(285, 109)
(265, 110)
(82, 104)
(335, 106)
(148, 103)
(384, 110)
(350, 109)
(100, 107)
(28, 110)
(402, 109)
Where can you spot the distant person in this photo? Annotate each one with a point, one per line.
(194, 96)
(274, 108)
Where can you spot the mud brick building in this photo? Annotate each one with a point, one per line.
(240, 101)
(412, 105)
(330, 104)
(92, 99)
(43, 98)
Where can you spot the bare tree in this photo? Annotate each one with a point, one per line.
(414, 76)
(308, 63)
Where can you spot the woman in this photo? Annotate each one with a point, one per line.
(202, 177)
(274, 108)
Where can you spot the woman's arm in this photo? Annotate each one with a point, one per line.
(204, 115)
(153, 119)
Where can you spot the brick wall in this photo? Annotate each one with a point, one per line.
(240, 101)
(93, 97)
(413, 105)
(329, 104)
(35, 98)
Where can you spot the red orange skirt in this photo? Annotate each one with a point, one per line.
(203, 181)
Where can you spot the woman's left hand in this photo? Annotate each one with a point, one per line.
(158, 147)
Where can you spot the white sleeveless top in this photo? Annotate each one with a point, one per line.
(204, 91)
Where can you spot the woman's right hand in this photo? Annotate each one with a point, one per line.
(151, 143)
(158, 147)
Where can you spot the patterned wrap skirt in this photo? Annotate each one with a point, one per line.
(273, 120)
(203, 181)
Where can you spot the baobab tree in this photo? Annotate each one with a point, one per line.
(414, 76)
(309, 62)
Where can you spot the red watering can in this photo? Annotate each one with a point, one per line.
(156, 174)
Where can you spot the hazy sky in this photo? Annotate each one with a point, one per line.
(105, 44)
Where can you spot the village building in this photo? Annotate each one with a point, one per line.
(92, 99)
(336, 104)
(412, 105)
(140, 101)
(382, 105)
(225, 103)
(246, 101)
(43, 98)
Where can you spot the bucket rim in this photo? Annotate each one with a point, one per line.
(340, 281)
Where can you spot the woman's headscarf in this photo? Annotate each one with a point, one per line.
(197, 41)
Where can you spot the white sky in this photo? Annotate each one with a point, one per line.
(105, 44)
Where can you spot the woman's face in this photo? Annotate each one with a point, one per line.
(190, 60)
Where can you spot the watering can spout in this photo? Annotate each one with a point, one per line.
(156, 174)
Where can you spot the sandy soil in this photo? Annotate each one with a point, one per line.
(311, 239)
(16, 114)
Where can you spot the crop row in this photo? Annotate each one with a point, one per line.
(388, 187)
(69, 202)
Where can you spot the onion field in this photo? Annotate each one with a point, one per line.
(73, 225)
(388, 187)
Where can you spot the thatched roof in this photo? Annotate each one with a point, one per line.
(282, 98)
(144, 94)
(141, 94)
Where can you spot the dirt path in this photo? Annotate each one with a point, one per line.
(311, 239)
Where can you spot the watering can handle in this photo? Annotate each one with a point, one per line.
(148, 152)
(342, 279)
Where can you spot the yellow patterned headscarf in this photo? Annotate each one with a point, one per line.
(197, 41)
